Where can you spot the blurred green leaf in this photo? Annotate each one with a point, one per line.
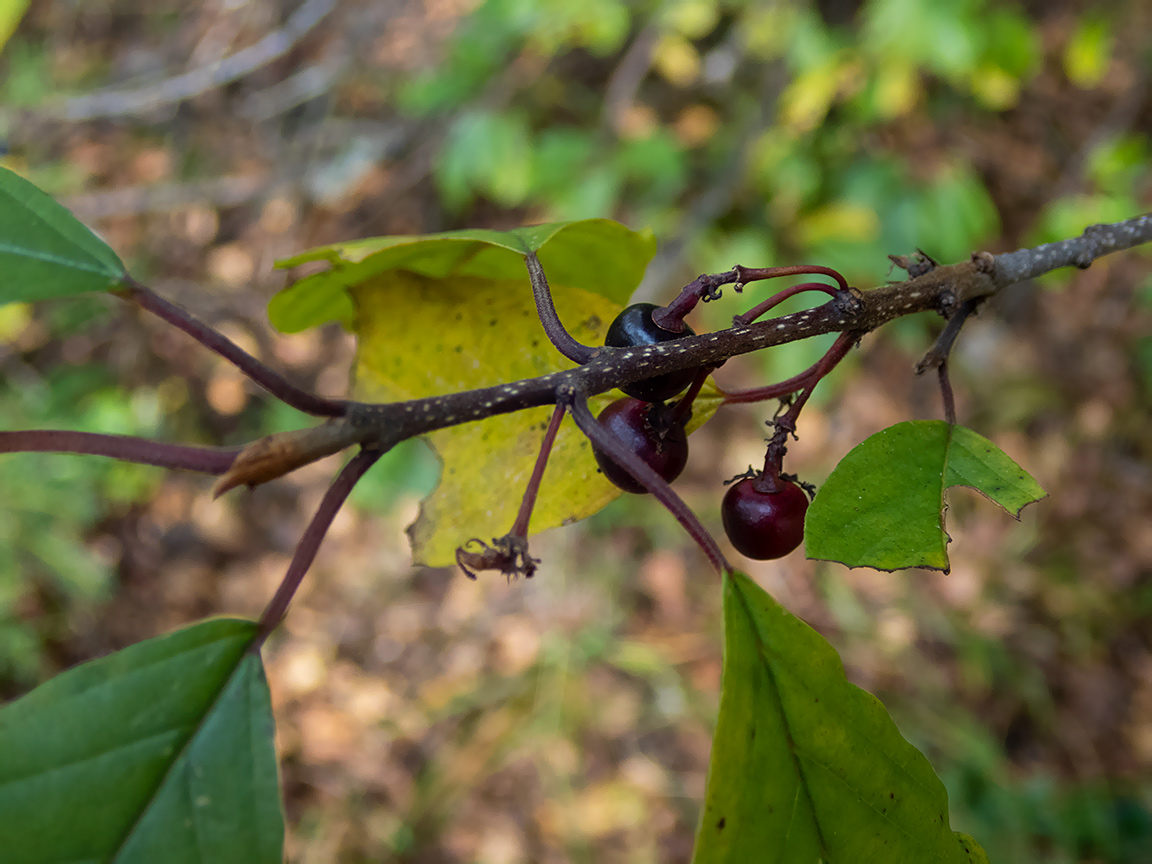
(485, 154)
(1119, 164)
(805, 766)
(160, 752)
(597, 255)
(656, 163)
(1067, 216)
(1089, 52)
(50, 502)
(883, 505)
(940, 37)
(11, 11)
(44, 250)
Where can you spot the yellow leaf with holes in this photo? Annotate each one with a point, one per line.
(423, 336)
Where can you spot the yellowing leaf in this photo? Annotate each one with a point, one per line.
(808, 98)
(11, 11)
(422, 336)
(897, 88)
(995, 88)
(677, 60)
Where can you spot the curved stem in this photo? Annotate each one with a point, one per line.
(266, 377)
(786, 423)
(682, 410)
(126, 448)
(744, 275)
(703, 287)
(310, 541)
(817, 370)
(565, 343)
(778, 298)
(640, 471)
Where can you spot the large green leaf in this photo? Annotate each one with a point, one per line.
(807, 767)
(160, 752)
(45, 251)
(419, 336)
(596, 255)
(883, 506)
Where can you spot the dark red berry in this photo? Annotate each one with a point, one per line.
(633, 328)
(652, 433)
(764, 525)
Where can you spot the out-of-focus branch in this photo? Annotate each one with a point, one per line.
(205, 460)
(265, 376)
(121, 102)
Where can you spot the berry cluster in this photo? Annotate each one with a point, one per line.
(763, 512)
(640, 442)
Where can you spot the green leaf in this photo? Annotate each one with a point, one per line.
(160, 752)
(485, 154)
(418, 336)
(45, 251)
(596, 255)
(807, 767)
(883, 506)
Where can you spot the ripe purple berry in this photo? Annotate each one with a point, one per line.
(634, 328)
(764, 525)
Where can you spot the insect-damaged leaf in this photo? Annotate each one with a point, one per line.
(883, 505)
(807, 767)
(597, 255)
(420, 336)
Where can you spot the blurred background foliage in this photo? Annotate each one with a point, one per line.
(423, 717)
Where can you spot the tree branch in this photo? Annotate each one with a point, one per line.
(121, 102)
(206, 460)
(1095, 242)
(310, 540)
(266, 377)
(941, 289)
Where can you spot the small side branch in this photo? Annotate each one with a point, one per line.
(575, 351)
(268, 378)
(937, 356)
(126, 448)
(311, 539)
(509, 554)
(835, 353)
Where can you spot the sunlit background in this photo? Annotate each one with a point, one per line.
(426, 718)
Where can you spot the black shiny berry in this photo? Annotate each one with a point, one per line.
(652, 433)
(764, 525)
(633, 328)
